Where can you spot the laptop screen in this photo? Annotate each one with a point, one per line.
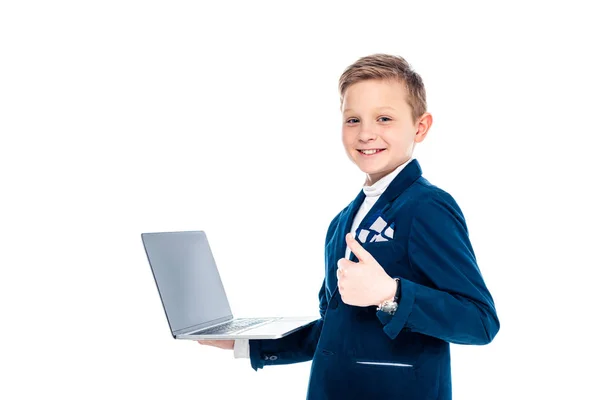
(187, 278)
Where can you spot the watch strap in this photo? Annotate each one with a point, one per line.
(398, 293)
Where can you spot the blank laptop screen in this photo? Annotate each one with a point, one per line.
(187, 278)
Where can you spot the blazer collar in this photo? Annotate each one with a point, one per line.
(401, 182)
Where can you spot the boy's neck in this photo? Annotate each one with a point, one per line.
(372, 180)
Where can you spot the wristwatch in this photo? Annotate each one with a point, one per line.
(390, 306)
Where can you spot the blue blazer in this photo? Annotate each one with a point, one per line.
(417, 232)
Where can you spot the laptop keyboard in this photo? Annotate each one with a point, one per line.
(232, 326)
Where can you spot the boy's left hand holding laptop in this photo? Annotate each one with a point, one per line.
(222, 344)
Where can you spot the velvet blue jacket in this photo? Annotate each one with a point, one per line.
(417, 232)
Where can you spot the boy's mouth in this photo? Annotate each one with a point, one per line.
(370, 152)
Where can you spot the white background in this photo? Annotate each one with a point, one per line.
(122, 117)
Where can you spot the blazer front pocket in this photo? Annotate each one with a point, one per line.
(383, 363)
(392, 376)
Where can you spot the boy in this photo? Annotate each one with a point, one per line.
(401, 279)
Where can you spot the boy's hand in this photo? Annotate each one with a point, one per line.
(222, 344)
(364, 283)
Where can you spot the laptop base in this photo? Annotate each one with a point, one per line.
(276, 329)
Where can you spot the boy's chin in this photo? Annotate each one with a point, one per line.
(375, 171)
(372, 169)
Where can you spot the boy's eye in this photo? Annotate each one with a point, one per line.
(385, 119)
(352, 121)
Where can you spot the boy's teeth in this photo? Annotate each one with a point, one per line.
(369, 151)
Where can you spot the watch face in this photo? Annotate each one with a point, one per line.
(389, 307)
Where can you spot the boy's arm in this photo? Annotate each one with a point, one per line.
(293, 348)
(455, 306)
(298, 346)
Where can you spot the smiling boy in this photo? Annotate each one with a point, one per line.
(401, 278)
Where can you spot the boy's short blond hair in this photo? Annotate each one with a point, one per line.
(385, 66)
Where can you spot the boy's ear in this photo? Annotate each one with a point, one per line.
(423, 126)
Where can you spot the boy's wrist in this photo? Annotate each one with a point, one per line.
(391, 304)
(390, 292)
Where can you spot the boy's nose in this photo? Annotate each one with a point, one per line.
(366, 134)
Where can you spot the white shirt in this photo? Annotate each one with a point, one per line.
(241, 348)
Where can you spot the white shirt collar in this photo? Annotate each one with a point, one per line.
(379, 187)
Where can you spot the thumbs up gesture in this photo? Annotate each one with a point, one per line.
(363, 283)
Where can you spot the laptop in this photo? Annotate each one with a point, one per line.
(193, 296)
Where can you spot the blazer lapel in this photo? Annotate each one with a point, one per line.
(401, 182)
(339, 242)
(346, 221)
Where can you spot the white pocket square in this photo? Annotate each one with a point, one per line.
(379, 238)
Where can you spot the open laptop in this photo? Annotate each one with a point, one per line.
(193, 295)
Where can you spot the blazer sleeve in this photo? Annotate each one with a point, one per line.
(455, 305)
(298, 346)
(294, 348)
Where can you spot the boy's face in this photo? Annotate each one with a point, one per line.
(377, 117)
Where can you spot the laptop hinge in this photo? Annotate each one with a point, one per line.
(194, 328)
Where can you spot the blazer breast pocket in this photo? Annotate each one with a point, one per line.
(391, 255)
(388, 247)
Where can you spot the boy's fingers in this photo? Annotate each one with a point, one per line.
(344, 263)
(357, 249)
